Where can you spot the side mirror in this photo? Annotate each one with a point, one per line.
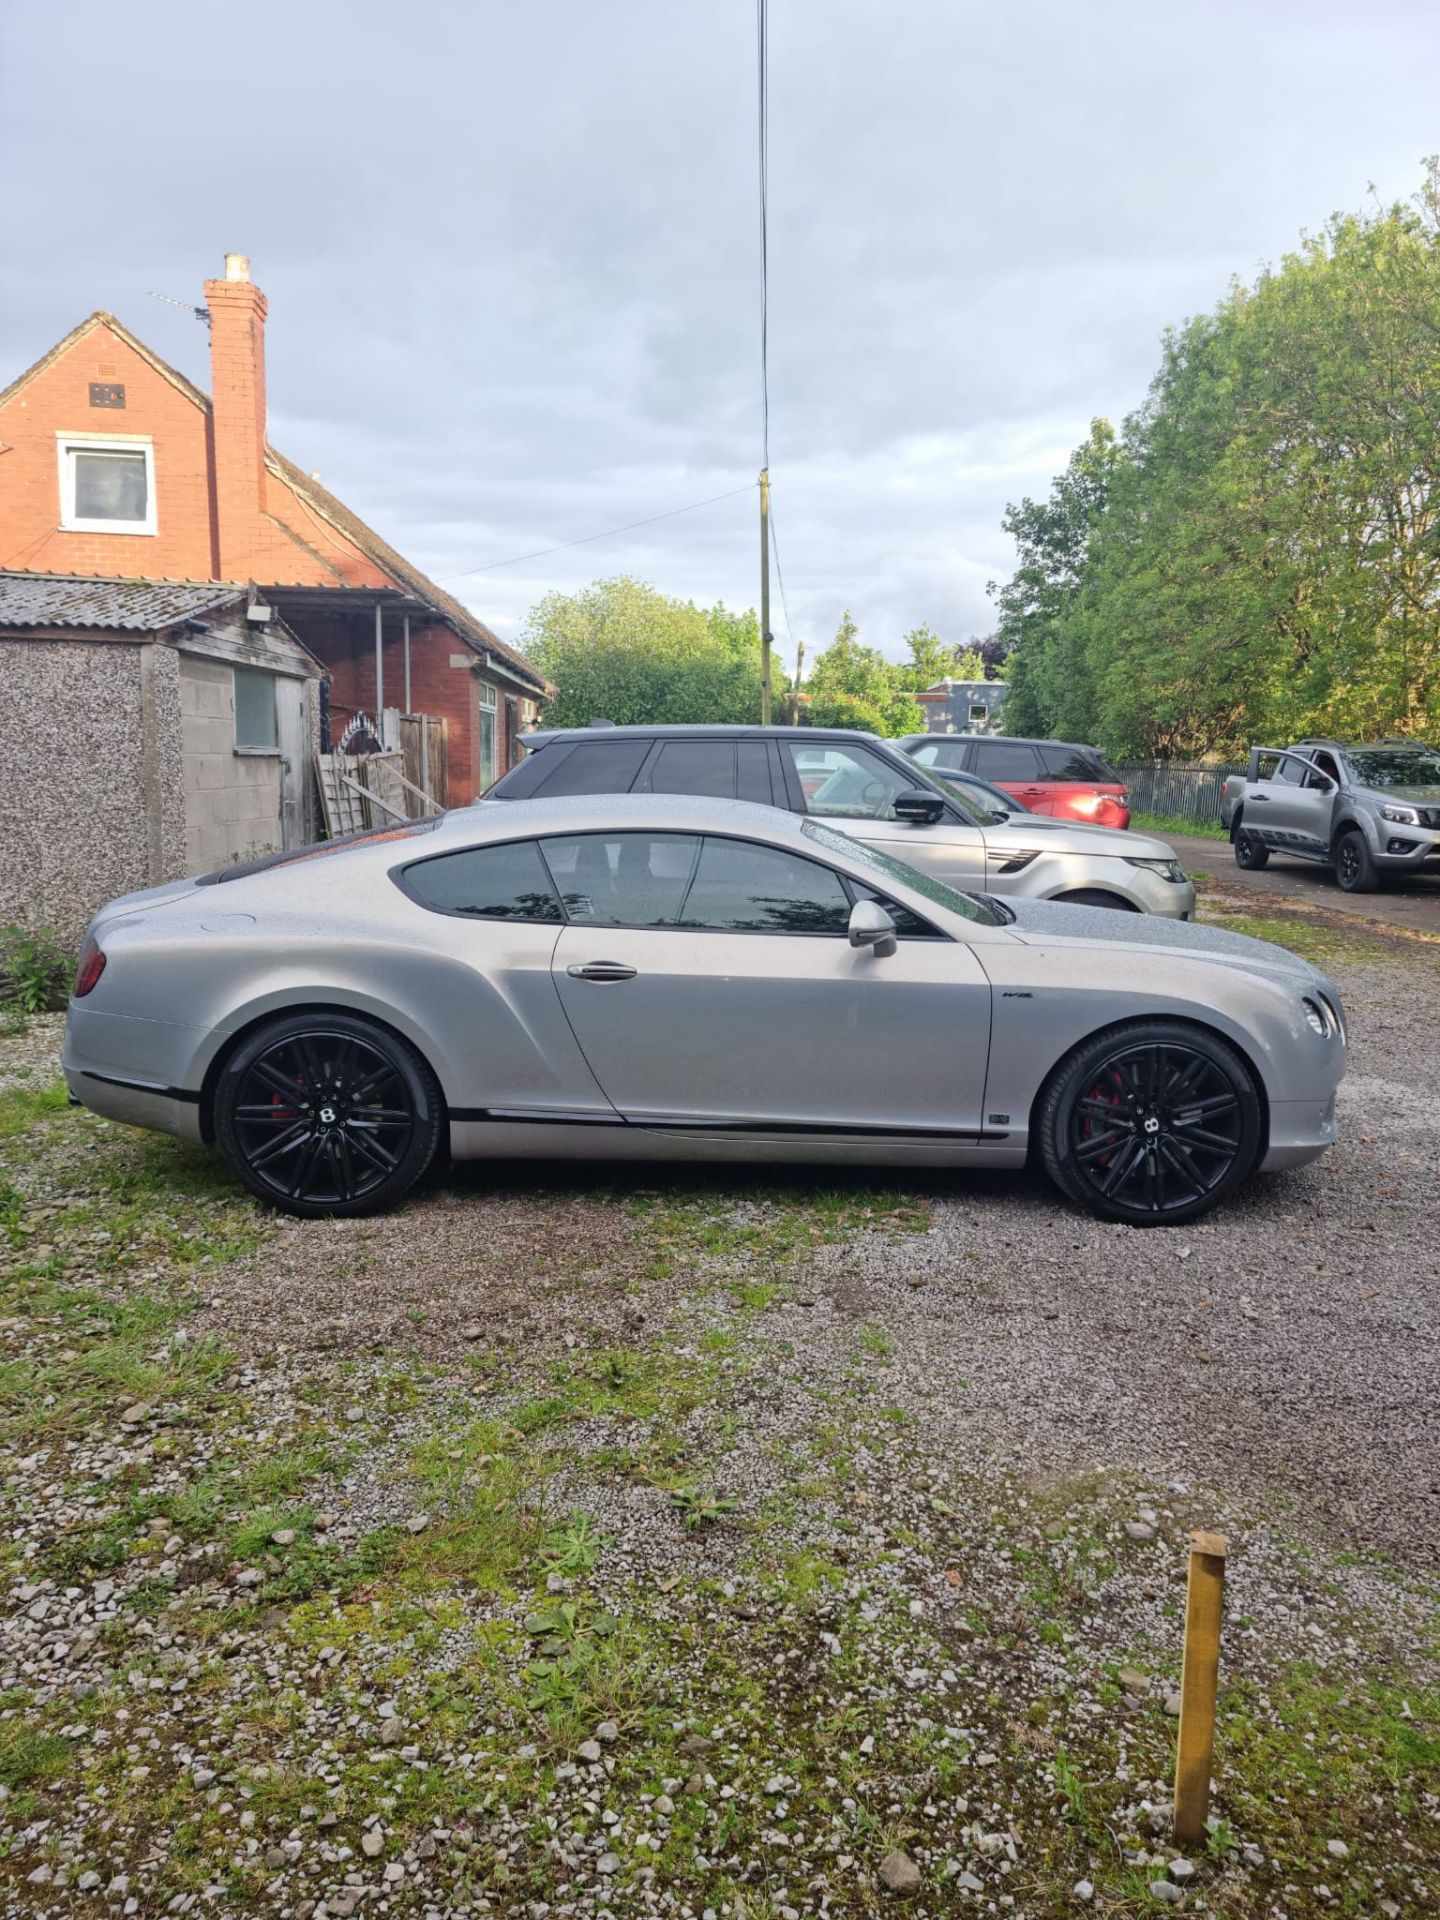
(919, 807)
(871, 926)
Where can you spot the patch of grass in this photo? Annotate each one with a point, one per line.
(1319, 942)
(777, 1224)
(30, 1757)
(24, 1108)
(1166, 824)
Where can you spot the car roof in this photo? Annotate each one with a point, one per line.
(606, 812)
(710, 730)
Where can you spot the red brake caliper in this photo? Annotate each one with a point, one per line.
(1108, 1095)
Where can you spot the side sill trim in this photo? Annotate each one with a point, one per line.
(671, 1123)
(143, 1086)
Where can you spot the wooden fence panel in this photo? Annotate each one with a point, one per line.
(423, 743)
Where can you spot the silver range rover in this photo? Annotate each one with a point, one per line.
(872, 791)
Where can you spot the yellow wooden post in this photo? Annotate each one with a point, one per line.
(1204, 1597)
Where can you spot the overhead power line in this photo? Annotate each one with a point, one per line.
(607, 534)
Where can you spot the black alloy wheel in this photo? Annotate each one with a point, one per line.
(1151, 1124)
(1251, 852)
(327, 1115)
(1355, 871)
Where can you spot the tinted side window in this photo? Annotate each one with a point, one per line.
(695, 766)
(1290, 773)
(598, 766)
(1005, 760)
(622, 879)
(1073, 763)
(754, 770)
(742, 888)
(490, 883)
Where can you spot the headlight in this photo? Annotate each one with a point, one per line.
(1321, 1017)
(1167, 869)
(1402, 816)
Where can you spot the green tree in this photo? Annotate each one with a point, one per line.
(1045, 673)
(862, 678)
(619, 650)
(1259, 554)
(932, 660)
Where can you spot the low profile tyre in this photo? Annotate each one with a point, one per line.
(1095, 897)
(1355, 871)
(1152, 1123)
(327, 1115)
(1251, 852)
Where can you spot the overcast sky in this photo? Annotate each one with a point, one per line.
(510, 251)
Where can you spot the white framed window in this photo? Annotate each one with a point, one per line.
(107, 483)
(979, 714)
(488, 721)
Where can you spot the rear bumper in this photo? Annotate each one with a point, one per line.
(132, 1070)
(136, 1104)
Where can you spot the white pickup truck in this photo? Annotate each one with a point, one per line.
(1363, 810)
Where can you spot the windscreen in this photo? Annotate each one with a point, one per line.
(969, 906)
(1387, 767)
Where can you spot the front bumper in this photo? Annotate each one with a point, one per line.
(1402, 849)
(1300, 1131)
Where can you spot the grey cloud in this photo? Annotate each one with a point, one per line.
(510, 251)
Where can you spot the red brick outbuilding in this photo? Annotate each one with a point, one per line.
(112, 463)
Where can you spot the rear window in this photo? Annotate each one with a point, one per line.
(594, 766)
(1006, 760)
(507, 882)
(1076, 763)
(695, 766)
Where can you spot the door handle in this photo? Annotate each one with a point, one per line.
(1255, 798)
(602, 970)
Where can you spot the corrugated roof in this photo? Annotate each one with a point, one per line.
(127, 606)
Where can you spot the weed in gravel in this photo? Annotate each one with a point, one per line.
(1323, 943)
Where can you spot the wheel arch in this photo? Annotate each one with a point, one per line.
(1086, 897)
(324, 1009)
(1352, 822)
(1136, 1020)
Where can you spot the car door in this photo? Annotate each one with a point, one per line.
(711, 985)
(1014, 766)
(509, 1050)
(854, 787)
(1294, 807)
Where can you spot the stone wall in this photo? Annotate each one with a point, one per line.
(90, 802)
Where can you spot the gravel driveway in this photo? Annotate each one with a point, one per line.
(640, 1546)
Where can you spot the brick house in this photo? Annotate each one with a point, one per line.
(113, 464)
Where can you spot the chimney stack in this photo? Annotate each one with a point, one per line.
(237, 393)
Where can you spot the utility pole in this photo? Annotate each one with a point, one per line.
(765, 635)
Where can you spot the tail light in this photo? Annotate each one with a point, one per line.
(92, 965)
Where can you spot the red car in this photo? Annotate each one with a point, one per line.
(1050, 776)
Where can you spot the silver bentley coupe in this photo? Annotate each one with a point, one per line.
(672, 977)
